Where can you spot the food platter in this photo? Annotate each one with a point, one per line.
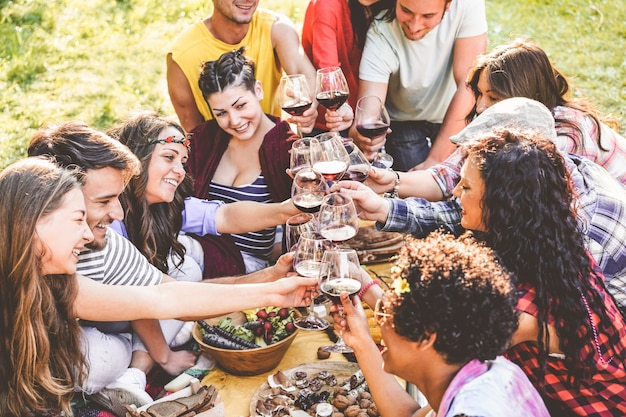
(341, 370)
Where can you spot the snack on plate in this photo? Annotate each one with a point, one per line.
(199, 402)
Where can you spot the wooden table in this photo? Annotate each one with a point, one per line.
(236, 391)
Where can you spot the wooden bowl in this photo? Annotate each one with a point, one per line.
(246, 362)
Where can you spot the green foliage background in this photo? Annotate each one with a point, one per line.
(98, 60)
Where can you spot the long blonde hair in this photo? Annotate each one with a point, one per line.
(41, 359)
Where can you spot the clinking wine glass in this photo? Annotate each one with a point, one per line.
(371, 117)
(331, 87)
(307, 262)
(337, 219)
(359, 167)
(308, 190)
(294, 95)
(329, 156)
(297, 225)
(340, 272)
(300, 155)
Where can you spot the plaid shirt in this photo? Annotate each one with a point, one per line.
(583, 141)
(601, 208)
(603, 392)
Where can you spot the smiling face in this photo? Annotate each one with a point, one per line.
(102, 189)
(166, 169)
(62, 234)
(237, 11)
(470, 191)
(418, 17)
(237, 110)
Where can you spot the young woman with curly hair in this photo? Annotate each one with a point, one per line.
(449, 316)
(522, 69)
(515, 192)
(43, 227)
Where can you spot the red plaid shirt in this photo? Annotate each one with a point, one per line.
(603, 393)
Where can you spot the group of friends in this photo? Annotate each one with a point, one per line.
(508, 301)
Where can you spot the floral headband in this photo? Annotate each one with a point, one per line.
(171, 139)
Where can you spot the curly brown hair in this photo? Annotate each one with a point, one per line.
(458, 290)
(529, 214)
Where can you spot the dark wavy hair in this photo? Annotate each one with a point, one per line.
(458, 290)
(360, 17)
(232, 69)
(522, 69)
(153, 228)
(529, 214)
(40, 351)
(390, 14)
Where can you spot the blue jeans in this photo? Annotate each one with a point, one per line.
(409, 142)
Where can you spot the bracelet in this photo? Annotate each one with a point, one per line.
(396, 187)
(367, 287)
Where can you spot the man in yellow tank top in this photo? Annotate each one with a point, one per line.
(270, 39)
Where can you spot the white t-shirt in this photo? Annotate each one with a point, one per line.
(419, 73)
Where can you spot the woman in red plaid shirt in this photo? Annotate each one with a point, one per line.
(515, 192)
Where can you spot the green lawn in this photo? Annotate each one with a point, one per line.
(98, 60)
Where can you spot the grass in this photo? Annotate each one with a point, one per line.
(97, 61)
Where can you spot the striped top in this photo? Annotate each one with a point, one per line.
(258, 244)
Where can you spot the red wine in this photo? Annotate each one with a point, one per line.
(357, 173)
(309, 268)
(308, 202)
(298, 108)
(331, 170)
(338, 233)
(372, 130)
(332, 100)
(334, 287)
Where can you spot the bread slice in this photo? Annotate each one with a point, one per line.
(167, 409)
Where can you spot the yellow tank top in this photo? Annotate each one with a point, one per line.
(197, 45)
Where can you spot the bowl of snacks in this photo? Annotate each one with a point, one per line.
(251, 345)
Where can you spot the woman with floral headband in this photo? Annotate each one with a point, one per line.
(450, 314)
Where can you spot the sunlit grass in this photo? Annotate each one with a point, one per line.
(98, 60)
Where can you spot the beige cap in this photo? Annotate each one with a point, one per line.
(520, 113)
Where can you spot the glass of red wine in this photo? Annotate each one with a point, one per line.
(294, 96)
(371, 117)
(308, 190)
(329, 156)
(331, 87)
(359, 167)
(337, 218)
(307, 262)
(300, 155)
(340, 271)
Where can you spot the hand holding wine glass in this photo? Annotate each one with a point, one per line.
(294, 96)
(307, 262)
(340, 272)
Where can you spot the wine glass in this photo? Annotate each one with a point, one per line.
(359, 167)
(307, 261)
(294, 96)
(296, 225)
(337, 218)
(382, 160)
(300, 155)
(371, 117)
(329, 156)
(331, 87)
(340, 272)
(308, 190)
